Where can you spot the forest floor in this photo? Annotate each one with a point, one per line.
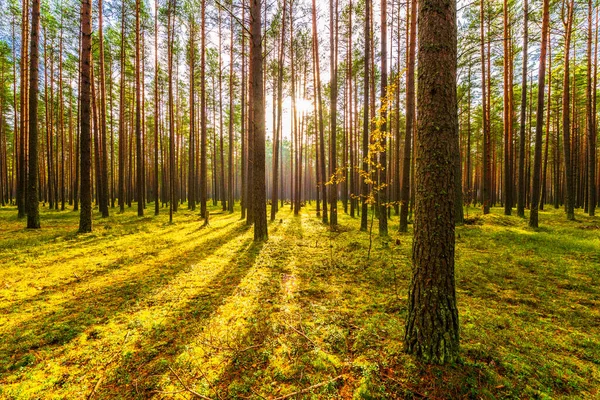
(141, 308)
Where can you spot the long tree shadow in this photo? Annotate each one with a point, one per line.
(110, 266)
(87, 308)
(138, 373)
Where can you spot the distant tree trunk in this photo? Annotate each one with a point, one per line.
(156, 110)
(521, 185)
(410, 119)
(231, 187)
(85, 141)
(366, 120)
(432, 332)
(203, 133)
(277, 139)
(138, 115)
(591, 122)
(323, 177)
(258, 123)
(21, 158)
(569, 188)
(333, 193)
(221, 149)
(122, 130)
(33, 212)
(547, 141)
(103, 195)
(192, 146)
(172, 165)
(486, 173)
(539, 124)
(508, 123)
(383, 223)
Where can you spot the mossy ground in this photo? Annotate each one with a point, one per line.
(140, 306)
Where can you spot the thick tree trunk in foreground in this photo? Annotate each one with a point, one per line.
(432, 323)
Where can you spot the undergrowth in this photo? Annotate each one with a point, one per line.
(141, 308)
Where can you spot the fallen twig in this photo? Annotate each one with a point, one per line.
(302, 334)
(308, 389)
(186, 386)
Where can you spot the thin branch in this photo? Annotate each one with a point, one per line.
(232, 15)
(309, 389)
(186, 386)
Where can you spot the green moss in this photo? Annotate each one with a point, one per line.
(138, 298)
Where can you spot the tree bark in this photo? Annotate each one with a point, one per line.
(432, 333)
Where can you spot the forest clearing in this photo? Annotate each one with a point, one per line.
(139, 304)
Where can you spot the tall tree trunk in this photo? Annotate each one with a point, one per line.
(203, 133)
(33, 212)
(366, 121)
(257, 122)
(383, 223)
(156, 110)
(591, 122)
(85, 141)
(333, 193)
(486, 173)
(122, 131)
(410, 119)
(508, 126)
(138, 115)
(277, 138)
(539, 124)
(569, 187)
(432, 332)
(323, 177)
(230, 184)
(192, 145)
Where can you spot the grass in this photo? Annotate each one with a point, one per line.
(140, 307)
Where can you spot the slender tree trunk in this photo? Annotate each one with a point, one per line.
(486, 174)
(383, 223)
(569, 188)
(508, 126)
(85, 141)
(33, 212)
(366, 121)
(203, 133)
(323, 177)
(156, 111)
(539, 125)
(410, 119)
(591, 123)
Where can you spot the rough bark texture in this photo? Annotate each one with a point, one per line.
(521, 183)
(539, 125)
(569, 187)
(85, 141)
(591, 123)
(33, 211)
(410, 118)
(383, 223)
(432, 323)
(258, 123)
(364, 192)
